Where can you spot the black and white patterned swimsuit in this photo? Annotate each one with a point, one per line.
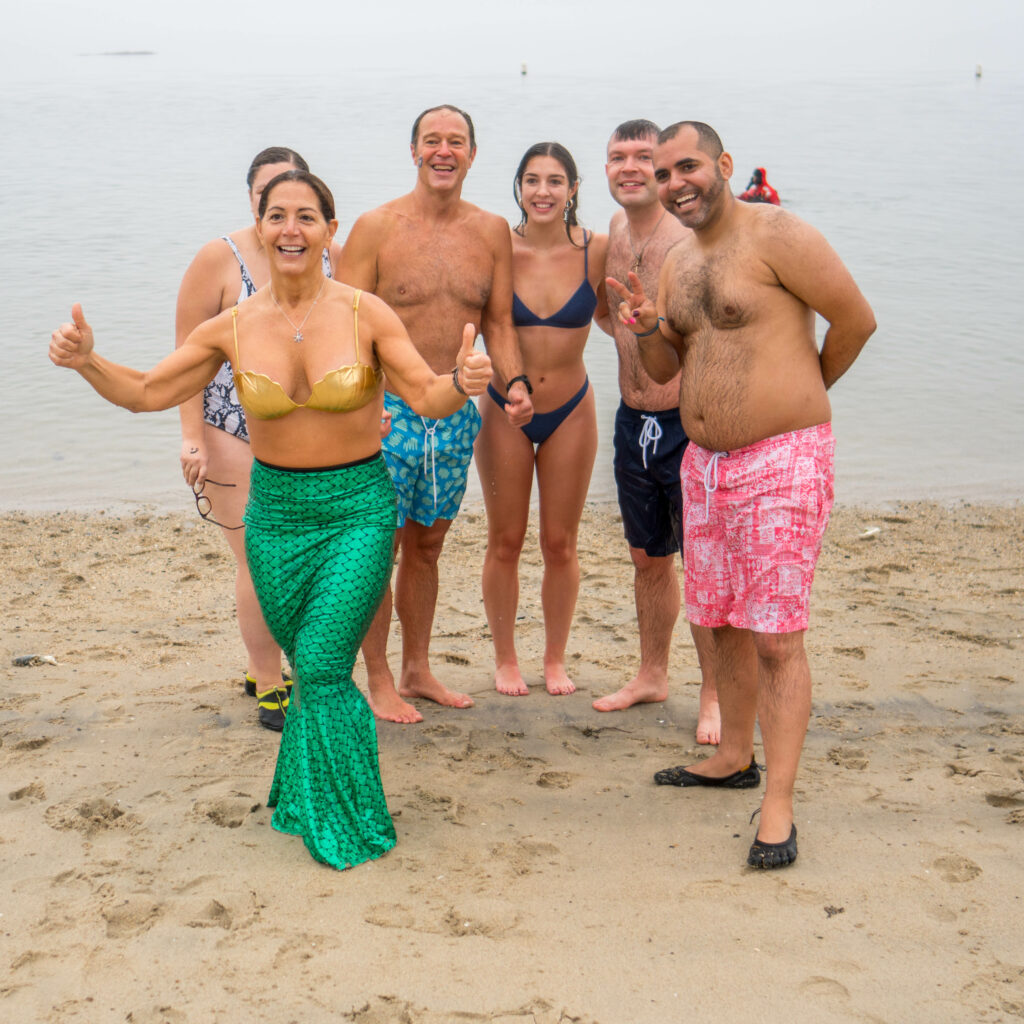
(221, 408)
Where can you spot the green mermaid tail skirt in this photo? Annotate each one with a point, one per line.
(319, 548)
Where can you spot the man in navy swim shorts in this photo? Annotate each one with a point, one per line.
(649, 436)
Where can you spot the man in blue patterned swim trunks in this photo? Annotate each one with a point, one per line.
(439, 262)
(429, 460)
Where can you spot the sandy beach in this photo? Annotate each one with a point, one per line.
(540, 877)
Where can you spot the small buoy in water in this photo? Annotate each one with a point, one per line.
(977, 70)
(522, 69)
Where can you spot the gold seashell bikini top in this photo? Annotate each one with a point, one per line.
(342, 390)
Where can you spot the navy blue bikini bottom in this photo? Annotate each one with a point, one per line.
(544, 424)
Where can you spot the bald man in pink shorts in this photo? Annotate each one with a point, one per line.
(737, 299)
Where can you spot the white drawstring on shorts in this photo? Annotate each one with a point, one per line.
(649, 435)
(711, 479)
(429, 437)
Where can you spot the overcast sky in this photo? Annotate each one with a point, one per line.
(742, 37)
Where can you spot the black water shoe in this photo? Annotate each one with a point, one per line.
(773, 855)
(745, 778)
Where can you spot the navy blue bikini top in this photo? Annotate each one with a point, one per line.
(577, 312)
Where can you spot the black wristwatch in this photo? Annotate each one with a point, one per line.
(515, 380)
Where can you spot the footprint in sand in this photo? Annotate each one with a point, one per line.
(89, 816)
(1004, 725)
(443, 730)
(851, 652)
(424, 800)
(30, 957)
(33, 791)
(16, 701)
(992, 799)
(300, 947)
(227, 812)
(491, 918)
(819, 985)
(487, 751)
(855, 705)
(135, 915)
(390, 915)
(554, 780)
(215, 914)
(104, 654)
(980, 639)
(33, 744)
(523, 855)
(848, 757)
(956, 869)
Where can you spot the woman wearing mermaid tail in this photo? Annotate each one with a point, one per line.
(215, 456)
(309, 355)
(556, 266)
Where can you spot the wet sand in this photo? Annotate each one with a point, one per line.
(540, 876)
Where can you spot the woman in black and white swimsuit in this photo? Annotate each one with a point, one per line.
(215, 456)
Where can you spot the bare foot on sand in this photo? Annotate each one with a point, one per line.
(709, 718)
(388, 706)
(643, 689)
(426, 684)
(509, 681)
(557, 680)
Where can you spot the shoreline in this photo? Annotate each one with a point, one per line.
(473, 504)
(539, 875)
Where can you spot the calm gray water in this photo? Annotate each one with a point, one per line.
(121, 175)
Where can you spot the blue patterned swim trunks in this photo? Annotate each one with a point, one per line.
(429, 460)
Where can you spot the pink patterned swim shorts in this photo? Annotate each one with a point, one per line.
(753, 522)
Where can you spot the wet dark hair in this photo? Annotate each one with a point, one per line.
(320, 190)
(564, 157)
(455, 110)
(636, 129)
(708, 139)
(274, 155)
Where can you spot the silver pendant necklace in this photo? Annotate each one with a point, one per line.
(638, 257)
(298, 330)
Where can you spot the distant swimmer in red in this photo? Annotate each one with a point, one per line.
(759, 191)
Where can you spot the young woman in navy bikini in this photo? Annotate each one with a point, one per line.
(558, 275)
(215, 454)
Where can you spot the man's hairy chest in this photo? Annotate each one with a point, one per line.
(729, 289)
(418, 268)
